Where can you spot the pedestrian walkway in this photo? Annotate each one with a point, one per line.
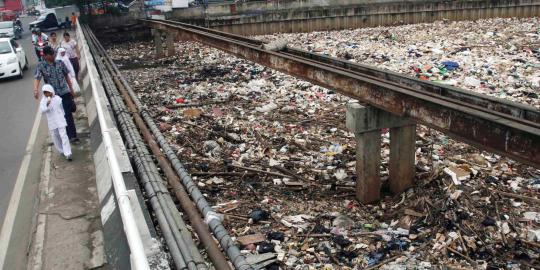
(68, 234)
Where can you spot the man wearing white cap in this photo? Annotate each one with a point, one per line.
(51, 106)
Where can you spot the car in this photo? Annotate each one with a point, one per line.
(13, 59)
(10, 30)
(7, 29)
(32, 12)
(48, 21)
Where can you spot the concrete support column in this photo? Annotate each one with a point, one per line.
(368, 163)
(158, 43)
(171, 37)
(402, 155)
(366, 122)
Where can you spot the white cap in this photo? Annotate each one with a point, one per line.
(47, 88)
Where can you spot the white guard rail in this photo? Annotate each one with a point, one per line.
(138, 255)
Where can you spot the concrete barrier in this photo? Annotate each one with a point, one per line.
(115, 241)
(261, 18)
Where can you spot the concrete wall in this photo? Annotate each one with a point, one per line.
(287, 16)
(343, 15)
(254, 8)
(115, 242)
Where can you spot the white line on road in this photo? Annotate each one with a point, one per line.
(9, 221)
(39, 238)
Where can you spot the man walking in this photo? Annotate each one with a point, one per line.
(72, 52)
(56, 74)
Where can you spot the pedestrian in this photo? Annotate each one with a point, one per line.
(51, 106)
(53, 41)
(72, 52)
(56, 74)
(61, 55)
(73, 20)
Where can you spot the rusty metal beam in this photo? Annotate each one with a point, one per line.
(516, 138)
(496, 104)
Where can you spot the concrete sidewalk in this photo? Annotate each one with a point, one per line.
(68, 233)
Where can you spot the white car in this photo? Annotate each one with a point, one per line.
(7, 29)
(12, 58)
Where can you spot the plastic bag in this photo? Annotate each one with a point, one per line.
(75, 85)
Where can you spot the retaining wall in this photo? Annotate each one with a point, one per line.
(115, 242)
(368, 14)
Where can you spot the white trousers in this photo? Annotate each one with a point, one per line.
(61, 140)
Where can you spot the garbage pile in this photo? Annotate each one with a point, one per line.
(496, 57)
(272, 154)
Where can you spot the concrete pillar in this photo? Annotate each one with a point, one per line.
(368, 164)
(402, 155)
(158, 43)
(366, 123)
(171, 37)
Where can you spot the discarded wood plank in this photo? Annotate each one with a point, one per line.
(316, 235)
(413, 213)
(345, 195)
(536, 245)
(322, 235)
(462, 242)
(243, 218)
(196, 125)
(196, 104)
(226, 207)
(236, 217)
(294, 183)
(467, 258)
(288, 172)
(251, 239)
(531, 266)
(499, 220)
(222, 174)
(261, 260)
(518, 196)
(382, 263)
(229, 209)
(260, 171)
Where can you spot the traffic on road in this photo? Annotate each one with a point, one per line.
(30, 60)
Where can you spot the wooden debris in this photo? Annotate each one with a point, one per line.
(411, 212)
(251, 239)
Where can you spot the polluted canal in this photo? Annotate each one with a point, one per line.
(272, 154)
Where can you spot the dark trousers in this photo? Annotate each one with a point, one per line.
(37, 54)
(75, 64)
(69, 106)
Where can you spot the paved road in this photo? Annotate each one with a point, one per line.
(17, 112)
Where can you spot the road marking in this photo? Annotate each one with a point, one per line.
(39, 238)
(9, 221)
